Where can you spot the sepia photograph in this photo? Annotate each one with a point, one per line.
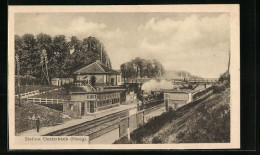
(115, 77)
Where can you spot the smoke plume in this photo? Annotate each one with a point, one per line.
(157, 85)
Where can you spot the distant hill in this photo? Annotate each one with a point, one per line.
(173, 74)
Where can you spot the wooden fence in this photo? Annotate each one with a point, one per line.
(36, 92)
(28, 94)
(46, 101)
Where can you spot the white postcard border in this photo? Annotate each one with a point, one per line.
(233, 9)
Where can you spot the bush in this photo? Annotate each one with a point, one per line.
(156, 140)
(170, 109)
(123, 140)
(150, 128)
(219, 88)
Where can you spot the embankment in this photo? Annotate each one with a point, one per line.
(204, 121)
(25, 116)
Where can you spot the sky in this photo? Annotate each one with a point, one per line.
(193, 42)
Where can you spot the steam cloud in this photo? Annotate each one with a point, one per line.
(154, 85)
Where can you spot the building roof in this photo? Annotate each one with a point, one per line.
(80, 89)
(89, 90)
(96, 68)
(55, 79)
(177, 91)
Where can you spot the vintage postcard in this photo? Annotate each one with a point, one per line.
(124, 77)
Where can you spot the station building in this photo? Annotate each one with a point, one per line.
(61, 81)
(97, 73)
(97, 88)
(177, 98)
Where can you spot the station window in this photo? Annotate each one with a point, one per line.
(71, 106)
(99, 104)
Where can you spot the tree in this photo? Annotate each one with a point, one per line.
(60, 54)
(44, 42)
(142, 67)
(29, 56)
(60, 62)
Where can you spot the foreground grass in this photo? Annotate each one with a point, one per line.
(206, 121)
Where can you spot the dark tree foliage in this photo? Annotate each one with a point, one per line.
(142, 68)
(63, 57)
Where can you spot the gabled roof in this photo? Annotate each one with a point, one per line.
(96, 68)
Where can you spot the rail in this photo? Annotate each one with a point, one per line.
(202, 80)
(76, 129)
(88, 126)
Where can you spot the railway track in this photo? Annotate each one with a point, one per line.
(88, 125)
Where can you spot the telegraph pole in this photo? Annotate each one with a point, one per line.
(101, 53)
(228, 59)
(18, 74)
(46, 67)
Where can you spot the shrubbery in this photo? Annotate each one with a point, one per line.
(199, 94)
(156, 140)
(220, 87)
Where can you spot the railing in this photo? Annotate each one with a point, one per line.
(149, 110)
(36, 92)
(28, 94)
(202, 80)
(46, 101)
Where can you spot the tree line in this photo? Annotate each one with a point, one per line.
(139, 67)
(63, 57)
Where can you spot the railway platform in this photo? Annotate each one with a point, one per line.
(73, 122)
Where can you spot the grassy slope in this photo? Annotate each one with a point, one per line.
(24, 114)
(29, 88)
(58, 94)
(206, 122)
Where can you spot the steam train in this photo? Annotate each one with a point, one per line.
(154, 95)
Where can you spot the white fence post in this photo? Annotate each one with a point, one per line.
(128, 133)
